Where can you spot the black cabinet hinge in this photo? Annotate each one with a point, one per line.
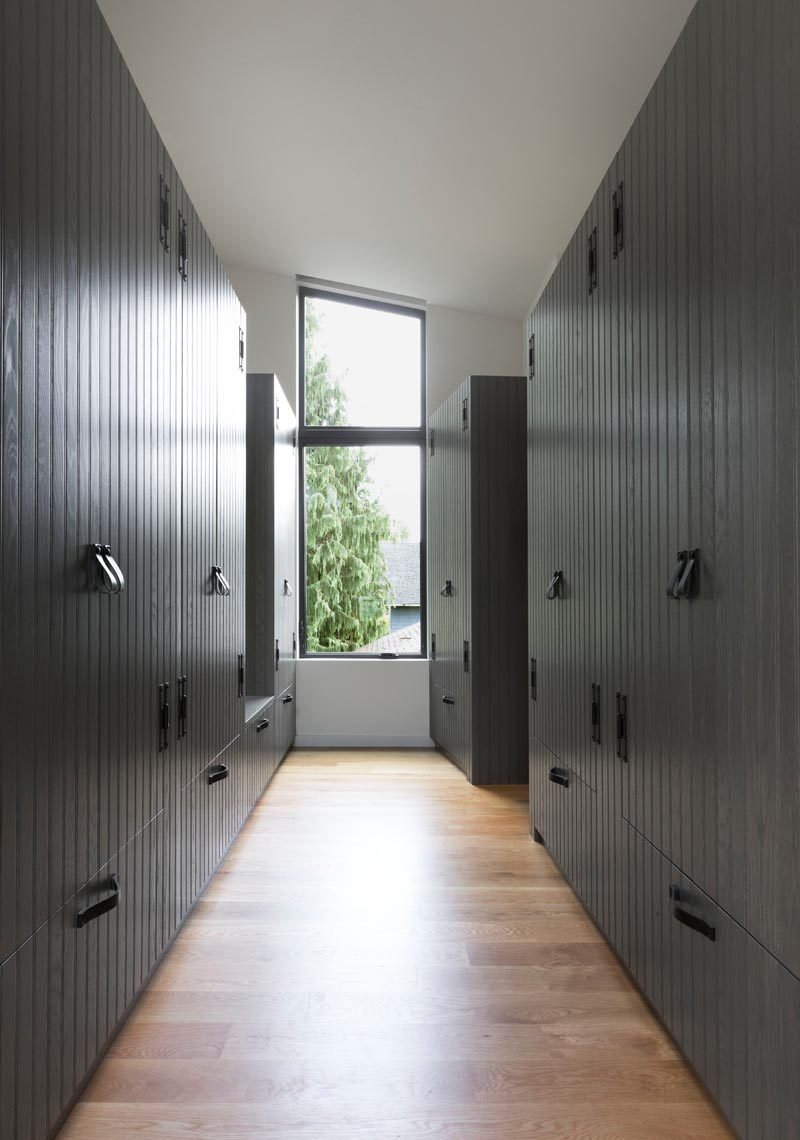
(592, 260)
(617, 221)
(183, 706)
(465, 413)
(163, 213)
(595, 713)
(241, 350)
(531, 356)
(622, 726)
(163, 716)
(294, 439)
(533, 679)
(183, 247)
(466, 657)
(277, 654)
(433, 647)
(432, 442)
(240, 674)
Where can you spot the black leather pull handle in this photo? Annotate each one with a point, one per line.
(448, 701)
(222, 586)
(675, 576)
(287, 700)
(559, 776)
(685, 586)
(115, 569)
(447, 589)
(90, 913)
(686, 918)
(106, 579)
(554, 589)
(217, 773)
(262, 724)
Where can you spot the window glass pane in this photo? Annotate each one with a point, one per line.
(363, 549)
(362, 366)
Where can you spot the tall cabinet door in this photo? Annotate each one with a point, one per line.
(555, 464)
(201, 604)
(231, 488)
(285, 490)
(670, 751)
(753, 169)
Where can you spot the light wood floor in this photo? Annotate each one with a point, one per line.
(386, 954)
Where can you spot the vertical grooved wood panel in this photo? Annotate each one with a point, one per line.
(677, 373)
(477, 543)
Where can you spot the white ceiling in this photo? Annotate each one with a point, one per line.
(443, 149)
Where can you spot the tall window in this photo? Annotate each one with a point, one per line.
(362, 477)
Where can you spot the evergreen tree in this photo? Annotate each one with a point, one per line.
(347, 588)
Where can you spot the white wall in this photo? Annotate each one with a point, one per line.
(368, 704)
(270, 301)
(462, 344)
(371, 703)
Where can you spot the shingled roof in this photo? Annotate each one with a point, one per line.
(407, 640)
(402, 564)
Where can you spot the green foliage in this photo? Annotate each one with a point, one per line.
(347, 588)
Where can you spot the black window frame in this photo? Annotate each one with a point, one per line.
(360, 437)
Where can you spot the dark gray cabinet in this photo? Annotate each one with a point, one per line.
(662, 466)
(476, 578)
(271, 538)
(124, 772)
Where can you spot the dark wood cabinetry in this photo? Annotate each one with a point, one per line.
(662, 466)
(271, 538)
(476, 578)
(125, 762)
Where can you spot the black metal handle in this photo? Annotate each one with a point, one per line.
(262, 724)
(685, 586)
(447, 589)
(240, 675)
(448, 701)
(595, 713)
(433, 647)
(554, 589)
(287, 589)
(675, 576)
(287, 700)
(222, 586)
(217, 773)
(183, 706)
(686, 918)
(90, 913)
(277, 654)
(559, 776)
(107, 581)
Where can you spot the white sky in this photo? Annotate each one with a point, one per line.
(376, 356)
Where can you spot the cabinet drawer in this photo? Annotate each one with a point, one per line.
(445, 713)
(286, 719)
(260, 753)
(564, 812)
(733, 1009)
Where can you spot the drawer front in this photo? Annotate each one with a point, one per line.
(63, 992)
(733, 1009)
(564, 812)
(286, 705)
(260, 753)
(445, 713)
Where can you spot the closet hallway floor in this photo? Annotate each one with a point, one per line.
(386, 954)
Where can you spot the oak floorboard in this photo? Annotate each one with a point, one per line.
(384, 955)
